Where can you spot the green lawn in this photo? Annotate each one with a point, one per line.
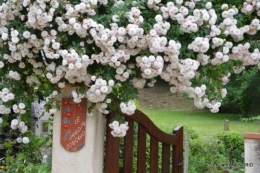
(201, 122)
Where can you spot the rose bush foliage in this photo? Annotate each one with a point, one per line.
(113, 47)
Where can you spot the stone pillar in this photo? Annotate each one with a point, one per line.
(89, 159)
(252, 152)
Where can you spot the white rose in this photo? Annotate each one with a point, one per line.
(14, 122)
(19, 140)
(26, 140)
(21, 105)
(115, 18)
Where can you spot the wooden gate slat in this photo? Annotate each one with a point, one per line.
(112, 149)
(177, 154)
(141, 155)
(174, 165)
(165, 158)
(153, 155)
(128, 147)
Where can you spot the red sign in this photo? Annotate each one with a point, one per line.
(73, 124)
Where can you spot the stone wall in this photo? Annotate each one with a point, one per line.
(252, 152)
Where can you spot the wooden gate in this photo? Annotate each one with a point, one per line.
(165, 159)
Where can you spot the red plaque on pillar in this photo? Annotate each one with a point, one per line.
(73, 123)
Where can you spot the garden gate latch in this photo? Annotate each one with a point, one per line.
(179, 164)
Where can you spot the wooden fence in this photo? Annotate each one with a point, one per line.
(171, 153)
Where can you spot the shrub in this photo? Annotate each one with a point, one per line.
(254, 119)
(192, 133)
(234, 145)
(29, 157)
(18, 156)
(205, 155)
(209, 153)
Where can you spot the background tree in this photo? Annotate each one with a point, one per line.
(243, 92)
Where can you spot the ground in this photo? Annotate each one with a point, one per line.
(160, 97)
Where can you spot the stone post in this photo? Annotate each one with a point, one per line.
(88, 159)
(252, 152)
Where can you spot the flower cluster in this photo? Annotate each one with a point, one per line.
(225, 80)
(128, 108)
(103, 107)
(238, 70)
(179, 74)
(122, 73)
(77, 97)
(250, 6)
(16, 124)
(4, 110)
(222, 55)
(24, 140)
(241, 52)
(161, 27)
(20, 108)
(6, 95)
(119, 130)
(46, 46)
(134, 16)
(150, 66)
(230, 24)
(98, 91)
(214, 106)
(189, 23)
(200, 45)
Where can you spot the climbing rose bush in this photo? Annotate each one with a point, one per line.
(114, 47)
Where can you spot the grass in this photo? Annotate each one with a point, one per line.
(169, 110)
(201, 121)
